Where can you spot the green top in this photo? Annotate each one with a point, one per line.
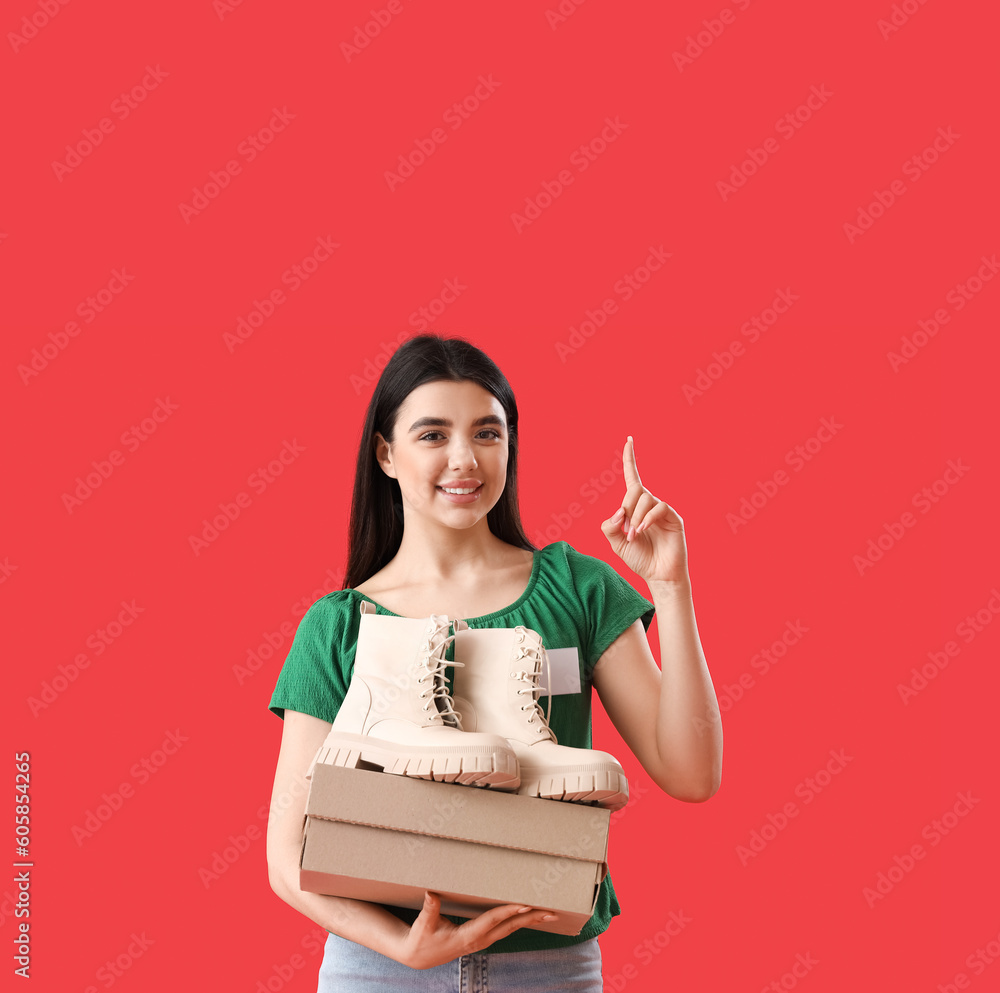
(572, 600)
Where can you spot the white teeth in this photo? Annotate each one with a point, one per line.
(473, 490)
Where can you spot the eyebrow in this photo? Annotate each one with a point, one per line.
(440, 422)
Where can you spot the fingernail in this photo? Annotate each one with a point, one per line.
(550, 917)
(619, 513)
(631, 534)
(521, 910)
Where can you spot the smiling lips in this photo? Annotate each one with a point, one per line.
(462, 491)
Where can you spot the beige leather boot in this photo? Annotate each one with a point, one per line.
(397, 715)
(496, 691)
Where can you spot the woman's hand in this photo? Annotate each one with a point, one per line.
(432, 940)
(645, 531)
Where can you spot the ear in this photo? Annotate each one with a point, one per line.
(383, 456)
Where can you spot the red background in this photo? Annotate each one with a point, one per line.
(305, 375)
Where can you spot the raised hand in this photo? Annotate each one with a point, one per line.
(646, 532)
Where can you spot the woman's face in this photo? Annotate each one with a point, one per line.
(448, 436)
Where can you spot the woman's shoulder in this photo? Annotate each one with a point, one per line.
(587, 576)
(332, 606)
(561, 555)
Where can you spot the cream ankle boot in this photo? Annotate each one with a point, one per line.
(397, 714)
(496, 690)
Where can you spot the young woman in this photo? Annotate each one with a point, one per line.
(443, 414)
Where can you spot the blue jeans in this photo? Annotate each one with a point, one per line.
(348, 966)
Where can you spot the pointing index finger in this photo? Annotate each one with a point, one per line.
(628, 460)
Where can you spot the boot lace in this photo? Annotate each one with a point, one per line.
(432, 664)
(530, 647)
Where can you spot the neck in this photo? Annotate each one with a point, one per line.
(431, 552)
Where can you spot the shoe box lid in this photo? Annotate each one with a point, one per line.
(467, 813)
(385, 839)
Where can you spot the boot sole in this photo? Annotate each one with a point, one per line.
(483, 767)
(608, 789)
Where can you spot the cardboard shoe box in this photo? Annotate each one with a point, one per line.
(385, 839)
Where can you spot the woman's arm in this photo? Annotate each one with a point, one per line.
(430, 941)
(363, 922)
(670, 720)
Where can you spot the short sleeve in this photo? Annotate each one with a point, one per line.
(317, 669)
(610, 603)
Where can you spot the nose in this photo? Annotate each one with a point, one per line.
(462, 458)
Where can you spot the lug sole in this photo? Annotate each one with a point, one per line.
(608, 789)
(479, 766)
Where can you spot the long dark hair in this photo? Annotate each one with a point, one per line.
(376, 527)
